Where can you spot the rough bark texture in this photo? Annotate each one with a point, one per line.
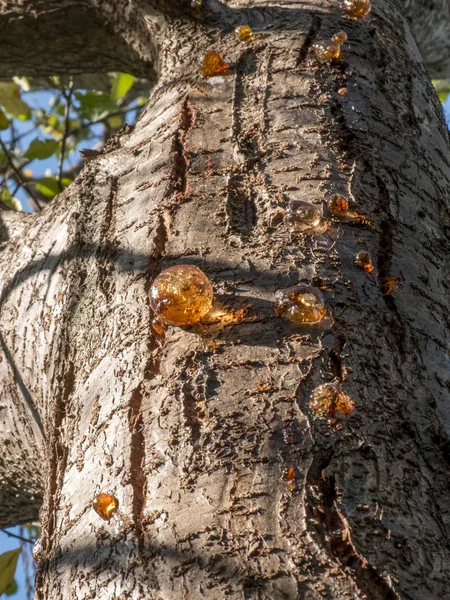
(193, 430)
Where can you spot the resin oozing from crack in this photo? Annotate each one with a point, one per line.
(302, 304)
(329, 399)
(181, 295)
(325, 50)
(213, 64)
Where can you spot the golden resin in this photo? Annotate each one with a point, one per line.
(301, 304)
(196, 5)
(329, 399)
(340, 37)
(289, 473)
(301, 216)
(213, 64)
(337, 205)
(105, 505)
(244, 34)
(342, 91)
(326, 50)
(181, 295)
(363, 261)
(355, 9)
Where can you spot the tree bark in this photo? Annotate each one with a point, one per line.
(193, 430)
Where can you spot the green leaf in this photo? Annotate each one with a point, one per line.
(115, 122)
(4, 121)
(443, 96)
(41, 149)
(10, 201)
(95, 106)
(122, 85)
(48, 186)
(12, 102)
(12, 589)
(8, 563)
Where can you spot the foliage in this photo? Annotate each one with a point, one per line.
(45, 121)
(442, 88)
(8, 563)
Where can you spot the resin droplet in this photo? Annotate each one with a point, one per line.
(181, 295)
(326, 50)
(363, 261)
(337, 205)
(329, 399)
(301, 304)
(213, 64)
(244, 34)
(355, 9)
(289, 473)
(340, 37)
(197, 6)
(105, 505)
(301, 216)
(342, 91)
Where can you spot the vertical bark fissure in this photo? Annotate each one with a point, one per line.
(137, 462)
(386, 281)
(314, 29)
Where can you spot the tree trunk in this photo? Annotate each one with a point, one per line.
(206, 434)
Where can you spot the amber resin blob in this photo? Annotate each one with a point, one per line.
(105, 505)
(330, 399)
(337, 205)
(244, 34)
(213, 64)
(355, 9)
(181, 295)
(301, 216)
(364, 261)
(301, 304)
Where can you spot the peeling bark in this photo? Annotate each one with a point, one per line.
(194, 429)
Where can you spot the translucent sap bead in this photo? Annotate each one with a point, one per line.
(301, 304)
(196, 6)
(301, 216)
(342, 91)
(289, 473)
(213, 64)
(105, 505)
(340, 37)
(337, 205)
(326, 50)
(355, 9)
(363, 261)
(181, 295)
(244, 34)
(329, 399)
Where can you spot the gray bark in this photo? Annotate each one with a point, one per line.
(193, 431)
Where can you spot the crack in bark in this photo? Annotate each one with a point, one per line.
(247, 176)
(180, 154)
(384, 261)
(108, 251)
(334, 532)
(314, 28)
(137, 462)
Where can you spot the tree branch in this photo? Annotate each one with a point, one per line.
(73, 36)
(430, 23)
